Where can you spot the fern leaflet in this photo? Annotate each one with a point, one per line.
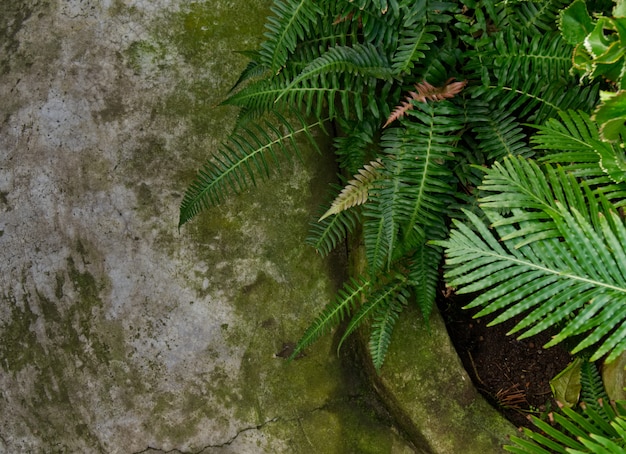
(238, 163)
(348, 298)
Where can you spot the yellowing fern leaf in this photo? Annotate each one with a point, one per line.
(425, 92)
(357, 189)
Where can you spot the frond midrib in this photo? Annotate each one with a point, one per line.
(547, 270)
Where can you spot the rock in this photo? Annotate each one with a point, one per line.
(118, 333)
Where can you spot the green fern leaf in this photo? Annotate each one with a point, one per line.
(575, 143)
(325, 235)
(521, 186)
(537, 17)
(498, 133)
(292, 20)
(364, 61)
(573, 433)
(424, 276)
(415, 37)
(576, 280)
(416, 186)
(348, 298)
(248, 154)
(593, 393)
(385, 318)
(393, 290)
(349, 94)
(378, 237)
(357, 189)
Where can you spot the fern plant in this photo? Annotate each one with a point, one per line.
(417, 94)
(597, 426)
(554, 249)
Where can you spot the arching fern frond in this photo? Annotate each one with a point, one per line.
(520, 185)
(357, 189)
(384, 321)
(292, 20)
(416, 185)
(324, 235)
(534, 100)
(339, 91)
(415, 37)
(428, 143)
(248, 154)
(347, 299)
(544, 55)
(576, 281)
(575, 143)
(358, 60)
(374, 303)
(497, 132)
(534, 16)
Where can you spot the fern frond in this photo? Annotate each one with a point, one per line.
(498, 133)
(535, 100)
(424, 276)
(416, 185)
(575, 143)
(292, 20)
(415, 38)
(426, 145)
(544, 55)
(340, 91)
(385, 318)
(393, 290)
(535, 16)
(576, 280)
(425, 92)
(572, 433)
(249, 153)
(357, 60)
(326, 234)
(347, 299)
(253, 70)
(378, 236)
(357, 189)
(520, 185)
(593, 393)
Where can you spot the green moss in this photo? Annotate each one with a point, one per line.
(201, 25)
(18, 345)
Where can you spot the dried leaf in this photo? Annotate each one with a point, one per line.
(357, 190)
(425, 92)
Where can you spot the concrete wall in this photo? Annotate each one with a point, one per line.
(119, 334)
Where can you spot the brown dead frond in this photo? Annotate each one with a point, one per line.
(512, 397)
(425, 92)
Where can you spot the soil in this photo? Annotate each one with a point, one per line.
(514, 375)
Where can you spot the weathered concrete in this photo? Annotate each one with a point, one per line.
(117, 333)
(431, 395)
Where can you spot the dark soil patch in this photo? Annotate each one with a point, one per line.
(514, 375)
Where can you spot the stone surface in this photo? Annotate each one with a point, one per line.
(118, 333)
(429, 392)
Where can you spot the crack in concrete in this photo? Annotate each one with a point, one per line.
(218, 445)
(298, 418)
